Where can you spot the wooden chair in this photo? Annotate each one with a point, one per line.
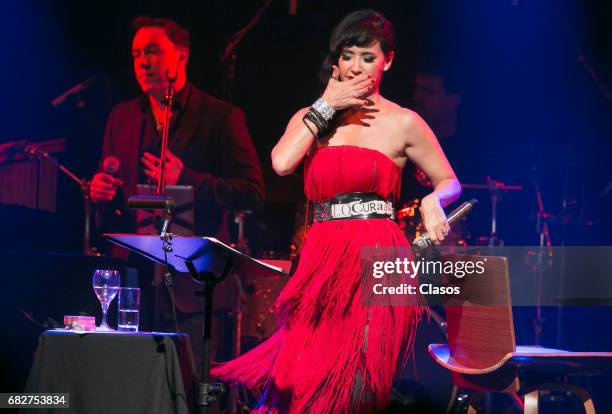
(482, 354)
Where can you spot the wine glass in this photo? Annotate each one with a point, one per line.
(106, 285)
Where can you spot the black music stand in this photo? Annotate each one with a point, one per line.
(208, 261)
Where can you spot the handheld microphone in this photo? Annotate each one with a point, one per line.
(457, 214)
(110, 165)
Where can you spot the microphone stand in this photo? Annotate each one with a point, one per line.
(169, 101)
(495, 189)
(494, 239)
(34, 151)
(229, 55)
(165, 235)
(538, 268)
(581, 58)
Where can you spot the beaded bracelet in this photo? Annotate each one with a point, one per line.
(319, 114)
(309, 128)
(320, 117)
(317, 121)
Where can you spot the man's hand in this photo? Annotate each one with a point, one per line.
(103, 187)
(152, 167)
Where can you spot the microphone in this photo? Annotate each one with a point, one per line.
(157, 203)
(151, 202)
(76, 89)
(171, 79)
(110, 165)
(457, 214)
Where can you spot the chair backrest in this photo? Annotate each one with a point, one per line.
(480, 324)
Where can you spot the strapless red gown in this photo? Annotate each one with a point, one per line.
(332, 353)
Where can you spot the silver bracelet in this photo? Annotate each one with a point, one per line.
(324, 109)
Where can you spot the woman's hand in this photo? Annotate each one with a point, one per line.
(434, 218)
(341, 95)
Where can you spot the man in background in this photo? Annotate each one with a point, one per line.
(209, 145)
(209, 148)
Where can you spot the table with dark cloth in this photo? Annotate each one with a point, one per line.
(115, 372)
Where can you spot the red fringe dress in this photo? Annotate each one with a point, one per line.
(333, 353)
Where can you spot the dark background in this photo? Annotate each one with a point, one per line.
(530, 106)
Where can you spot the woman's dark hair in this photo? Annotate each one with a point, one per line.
(360, 28)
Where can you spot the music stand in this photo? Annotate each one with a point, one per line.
(208, 261)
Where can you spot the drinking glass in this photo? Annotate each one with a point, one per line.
(106, 285)
(129, 309)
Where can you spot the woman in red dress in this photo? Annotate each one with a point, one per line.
(333, 352)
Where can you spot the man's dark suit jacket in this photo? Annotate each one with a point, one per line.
(210, 136)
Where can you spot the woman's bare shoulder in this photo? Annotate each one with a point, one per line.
(404, 117)
(411, 127)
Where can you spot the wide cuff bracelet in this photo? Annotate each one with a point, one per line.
(324, 109)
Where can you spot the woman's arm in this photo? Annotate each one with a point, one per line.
(425, 152)
(294, 144)
(300, 133)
